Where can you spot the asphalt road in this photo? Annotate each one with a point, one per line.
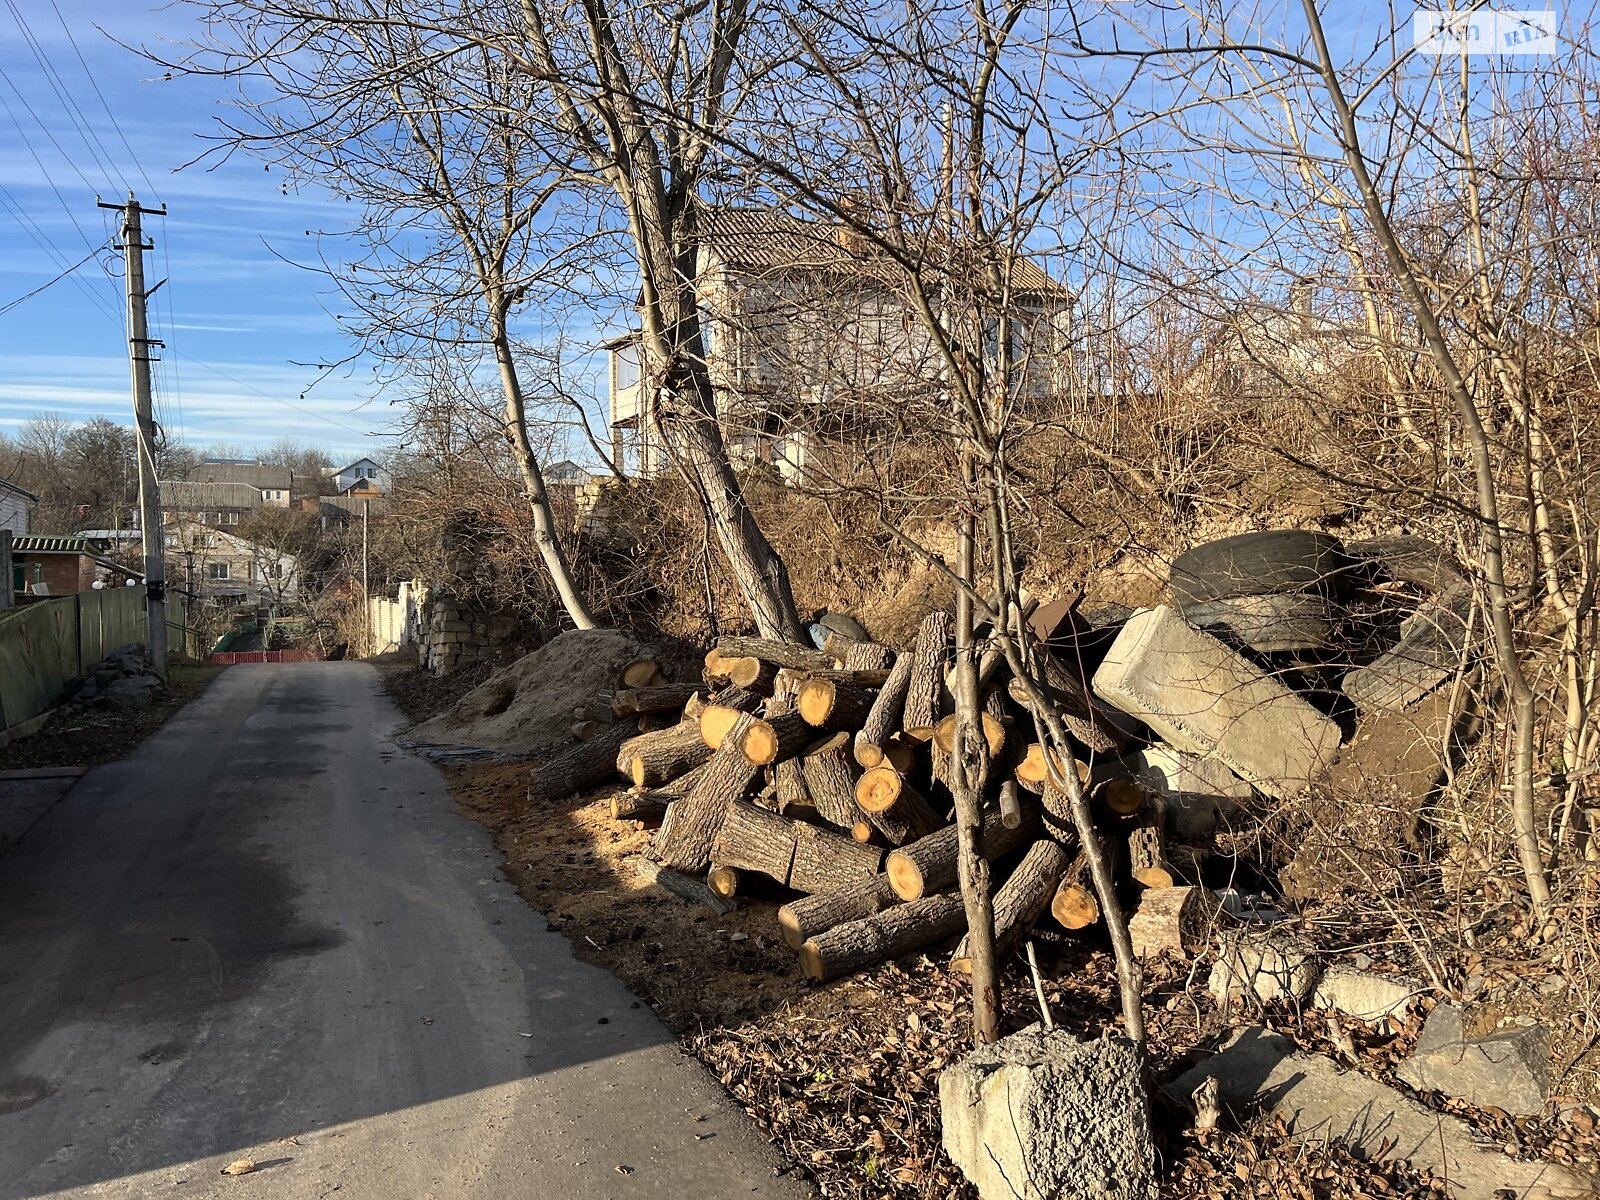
(268, 935)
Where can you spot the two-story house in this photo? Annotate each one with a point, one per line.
(274, 483)
(812, 338)
(227, 569)
(362, 478)
(219, 504)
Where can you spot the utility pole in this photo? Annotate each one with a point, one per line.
(139, 346)
(366, 589)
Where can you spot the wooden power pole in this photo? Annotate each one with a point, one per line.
(139, 346)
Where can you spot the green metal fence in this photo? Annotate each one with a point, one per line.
(47, 644)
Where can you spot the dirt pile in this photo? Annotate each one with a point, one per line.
(530, 703)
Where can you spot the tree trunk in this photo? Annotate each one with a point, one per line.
(684, 842)
(832, 704)
(682, 886)
(883, 719)
(1022, 898)
(902, 929)
(533, 487)
(831, 784)
(1179, 919)
(581, 766)
(783, 736)
(664, 697)
(929, 864)
(808, 916)
(925, 690)
(652, 759)
(1074, 905)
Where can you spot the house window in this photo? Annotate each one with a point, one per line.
(217, 570)
(233, 518)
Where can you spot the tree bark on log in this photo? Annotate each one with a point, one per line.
(754, 839)
(1172, 918)
(827, 862)
(640, 806)
(925, 690)
(682, 886)
(834, 704)
(652, 759)
(581, 766)
(1021, 898)
(1079, 712)
(784, 654)
(1147, 846)
(929, 864)
(883, 718)
(776, 738)
(752, 674)
(868, 656)
(684, 842)
(808, 916)
(665, 697)
(900, 930)
(831, 784)
(1010, 804)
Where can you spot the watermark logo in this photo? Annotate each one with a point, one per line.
(1498, 31)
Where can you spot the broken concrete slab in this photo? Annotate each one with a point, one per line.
(1263, 964)
(1508, 1067)
(1365, 995)
(1197, 790)
(1320, 1102)
(1203, 697)
(1041, 1114)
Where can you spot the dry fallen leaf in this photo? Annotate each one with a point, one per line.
(239, 1166)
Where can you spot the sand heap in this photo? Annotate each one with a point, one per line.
(530, 703)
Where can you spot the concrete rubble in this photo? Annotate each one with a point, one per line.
(123, 679)
(1505, 1067)
(1319, 1102)
(1263, 964)
(1205, 698)
(1365, 995)
(1197, 790)
(1041, 1114)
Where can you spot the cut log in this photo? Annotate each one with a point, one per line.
(648, 806)
(641, 672)
(753, 839)
(724, 881)
(776, 738)
(784, 654)
(810, 915)
(834, 704)
(830, 781)
(884, 716)
(879, 788)
(714, 673)
(1073, 702)
(1075, 905)
(900, 754)
(826, 862)
(683, 784)
(1123, 797)
(684, 842)
(666, 697)
(1021, 898)
(754, 674)
(1033, 769)
(868, 656)
(693, 705)
(902, 929)
(928, 864)
(652, 722)
(1147, 847)
(1179, 919)
(994, 732)
(729, 696)
(584, 730)
(715, 722)
(652, 759)
(682, 886)
(1010, 807)
(579, 767)
(925, 690)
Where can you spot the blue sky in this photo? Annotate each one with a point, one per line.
(234, 315)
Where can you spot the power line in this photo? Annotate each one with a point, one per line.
(95, 84)
(204, 366)
(51, 250)
(5, 308)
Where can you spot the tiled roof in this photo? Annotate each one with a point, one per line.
(257, 475)
(768, 239)
(34, 543)
(187, 496)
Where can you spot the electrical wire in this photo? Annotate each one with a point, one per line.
(110, 115)
(5, 308)
(205, 366)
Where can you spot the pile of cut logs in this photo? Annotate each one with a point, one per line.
(827, 772)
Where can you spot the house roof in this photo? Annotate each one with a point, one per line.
(186, 495)
(330, 471)
(256, 474)
(770, 239)
(35, 543)
(7, 485)
(352, 505)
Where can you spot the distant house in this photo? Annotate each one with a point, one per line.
(812, 338)
(361, 478)
(227, 569)
(220, 504)
(16, 507)
(336, 512)
(275, 483)
(565, 473)
(62, 566)
(1264, 352)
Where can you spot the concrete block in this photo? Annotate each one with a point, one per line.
(1508, 1067)
(1263, 964)
(1205, 698)
(1365, 995)
(1319, 1103)
(1040, 1115)
(1197, 790)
